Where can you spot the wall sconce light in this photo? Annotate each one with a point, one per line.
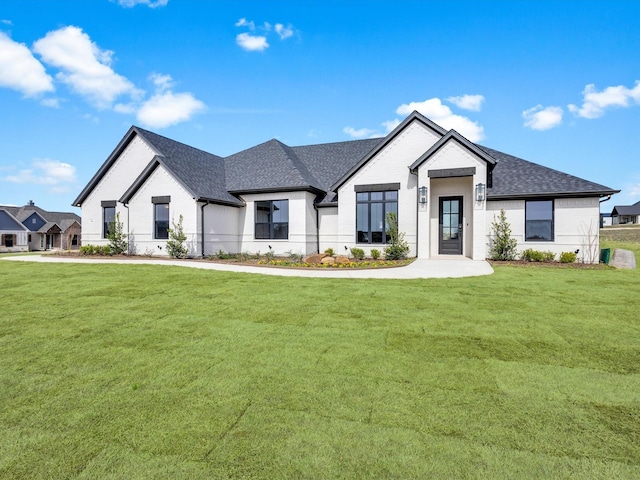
(422, 195)
(481, 192)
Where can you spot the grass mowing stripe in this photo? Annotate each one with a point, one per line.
(141, 371)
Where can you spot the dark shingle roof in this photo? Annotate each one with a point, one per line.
(8, 221)
(274, 166)
(270, 165)
(63, 219)
(515, 177)
(200, 172)
(626, 209)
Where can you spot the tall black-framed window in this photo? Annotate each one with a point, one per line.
(371, 213)
(538, 223)
(272, 219)
(108, 218)
(161, 221)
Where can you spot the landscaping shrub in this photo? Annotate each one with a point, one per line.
(398, 247)
(568, 257)
(531, 255)
(117, 238)
(503, 247)
(357, 253)
(329, 251)
(375, 253)
(95, 250)
(175, 245)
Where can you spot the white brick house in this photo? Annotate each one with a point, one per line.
(444, 189)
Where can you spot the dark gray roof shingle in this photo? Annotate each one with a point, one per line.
(274, 166)
(200, 172)
(626, 209)
(515, 177)
(63, 219)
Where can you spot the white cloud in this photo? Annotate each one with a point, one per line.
(594, 103)
(166, 108)
(6, 22)
(162, 82)
(359, 133)
(252, 43)
(244, 23)
(468, 102)
(284, 32)
(52, 173)
(443, 116)
(85, 68)
(20, 71)
(51, 102)
(541, 118)
(389, 125)
(149, 3)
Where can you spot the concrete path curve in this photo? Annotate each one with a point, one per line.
(455, 267)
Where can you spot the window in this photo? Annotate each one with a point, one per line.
(539, 221)
(29, 238)
(272, 219)
(74, 241)
(161, 222)
(108, 218)
(371, 214)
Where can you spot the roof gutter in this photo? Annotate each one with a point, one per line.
(608, 197)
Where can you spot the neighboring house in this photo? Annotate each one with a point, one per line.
(445, 190)
(13, 235)
(623, 214)
(48, 230)
(605, 220)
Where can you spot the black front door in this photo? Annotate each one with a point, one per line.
(450, 242)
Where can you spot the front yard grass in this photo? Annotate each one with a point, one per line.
(145, 371)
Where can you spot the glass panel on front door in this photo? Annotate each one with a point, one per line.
(450, 242)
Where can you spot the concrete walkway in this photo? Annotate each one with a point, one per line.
(448, 267)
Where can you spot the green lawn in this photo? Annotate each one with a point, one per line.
(140, 371)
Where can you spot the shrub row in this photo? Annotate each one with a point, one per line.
(531, 255)
(95, 250)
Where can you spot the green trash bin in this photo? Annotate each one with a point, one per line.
(605, 255)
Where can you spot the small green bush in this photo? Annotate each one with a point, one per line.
(398, 248)
(330, 251)
(568, 257)
(270, 255)
(531, 255)
(95, 250)
(503, 247)
(375, 253)
(175, 245)
(357, 253)
(295, 257)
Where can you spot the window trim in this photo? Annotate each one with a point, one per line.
(105, 224)
(551, 220)
(271, 223)
(384, 202)
(155, 220)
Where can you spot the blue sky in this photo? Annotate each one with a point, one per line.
(554, 82)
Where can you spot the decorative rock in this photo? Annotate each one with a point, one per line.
(328, 260)
(623, 259)
(342, 259)
(315, 258)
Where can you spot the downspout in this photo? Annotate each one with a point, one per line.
(202, 225)
(317, 227)
(606, 199)
(128, 230)
(417, 204)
